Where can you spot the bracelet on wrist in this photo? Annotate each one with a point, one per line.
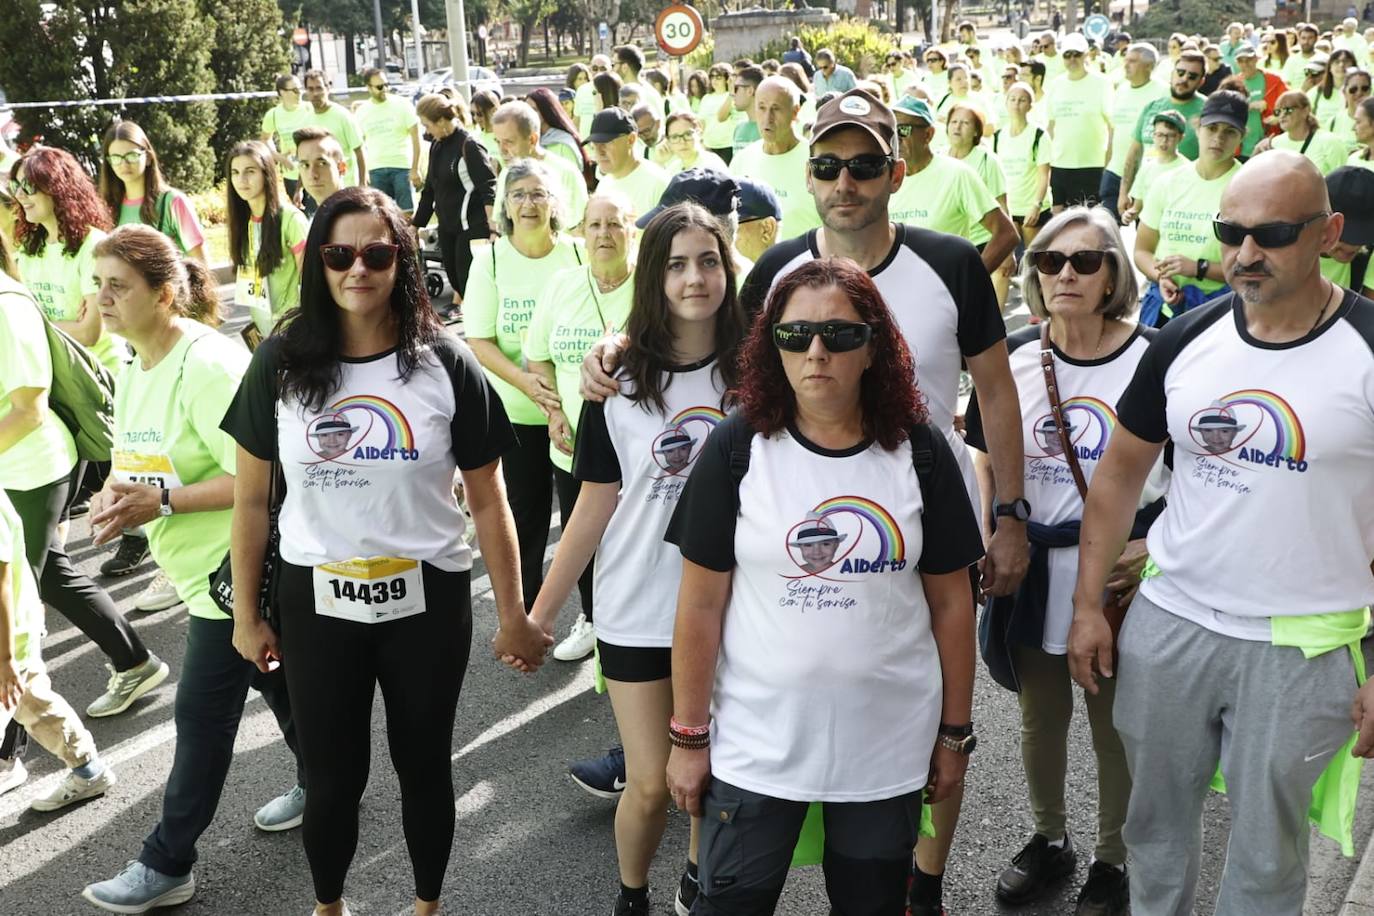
(688, 731)
(689, 744)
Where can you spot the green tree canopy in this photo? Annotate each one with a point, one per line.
(248, 54)
(1203, 17)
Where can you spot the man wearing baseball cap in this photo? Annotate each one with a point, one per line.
(714, 191)
(760, 216)
(1346, 263)
(1079, 110)
(612, 139)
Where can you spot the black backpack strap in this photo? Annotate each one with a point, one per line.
(1359, 270)
(1035, 144)
(923, 454)
(996, 135)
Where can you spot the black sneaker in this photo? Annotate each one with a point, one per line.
(687, 890)
(1034, 869)
(1107, 892)
(603, 777)
(627, 907)
(133, 550)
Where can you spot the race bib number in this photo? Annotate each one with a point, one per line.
(153, 470)
(372, 590)
(251, 290)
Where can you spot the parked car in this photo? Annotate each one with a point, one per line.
(479, 77)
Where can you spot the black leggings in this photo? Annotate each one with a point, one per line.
(568, 487)
(528, 473)
(74, 595)
(334, 667)
(456, 252)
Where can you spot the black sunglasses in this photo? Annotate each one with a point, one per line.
(377, 256)
(1188, 75)
(1084, 262)
(1071, 55)
(861, 168)
(837, 336)
(1270, 235)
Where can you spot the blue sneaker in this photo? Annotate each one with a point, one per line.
(138, 889)
(603, 777)
(284, 812)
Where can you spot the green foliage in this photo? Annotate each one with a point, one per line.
(702, 57)
(1203, 17)
(857, 44)
(250, 50)
(526, 13)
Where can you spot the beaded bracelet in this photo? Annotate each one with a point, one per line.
(689, 744)
(688, 731)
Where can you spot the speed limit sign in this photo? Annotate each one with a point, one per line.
(678, 29)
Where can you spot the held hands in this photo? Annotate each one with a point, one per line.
(1362, 713)
(11, 687)
(1090, 648)
(689, 772)
(521, 644)
(257, 642)
(123, 505)
(946, 773)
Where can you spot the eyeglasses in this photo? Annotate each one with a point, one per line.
(1188, 75)
(1357, 88)
(130, 158)
(1166, 135)
(599, 69)
(1270, 235)
(681, 138)
(291, 89)
(538, 197)
(1071, 55)
(935, 60)
(377, 86)
(1084, 262)
(903, 131)
(377, 256)
(837, 336)
(861, 168)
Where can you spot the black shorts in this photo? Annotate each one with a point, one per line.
(634, 664)
(1045, 215)
(1075, 186)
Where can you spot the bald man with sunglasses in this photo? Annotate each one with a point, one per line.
(1241, 648)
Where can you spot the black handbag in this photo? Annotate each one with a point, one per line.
(222, 580)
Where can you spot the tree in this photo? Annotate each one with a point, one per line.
(1203, 17)
(101, 49)
(248, 53)
(526, 14)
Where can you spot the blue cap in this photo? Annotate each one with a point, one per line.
(566, 95)
(714, 190)
(757, 200)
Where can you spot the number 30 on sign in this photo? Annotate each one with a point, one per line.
(678, 29)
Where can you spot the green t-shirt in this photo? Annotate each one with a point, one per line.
(338, 121)
(1078, 112)
(178, 220)
(945, 196)
(1181, 210)
(490, 142)
(705, 160)
(1127, 104)
(167, 433)
(1054, 65)
(47, 454)
(1191, 110)
(282, 125)
(718, 134)
(746, 132)
(571, 189)
(586, 103)
(989, 171)
(503, 288)
(1326, 150)
(1021, 157)
(26, 608)
(1295, 70)
(1342, 125)
(1337, 272)
(1254, 123)
(59, 282)
(1149, 173)
(643, 186)
(1359, 159)
(386, 127)
(1323, 107)
(570, 315)
(267, 303)
(786, 175)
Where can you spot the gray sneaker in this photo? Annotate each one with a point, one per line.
(73, 789)
(285, 812)
(138, 889)
(126, 686)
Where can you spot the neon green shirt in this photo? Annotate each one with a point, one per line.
(26, 608)
(386, 127)
(586, 103)
(268, 301)
(1323, 107)
(1343, 126)
(1358, 158)
(338, 121)
(167, 433)
(1338, 272)
(990, 173)
(47, 454)
(1191, 110)
(945, 196)
(570, 315)
(1181, 210)
(1021, 157)
(705, 160)
(503, 288)
(1127, 104)
(60, 282)
(1149, 172)
(1295, 69)
(1078, 111)
(718, 134)
(786, 175)
(1326, 150)
(571, 189)
(282, 125)
(643, 186)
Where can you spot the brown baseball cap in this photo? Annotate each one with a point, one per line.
(857, 108)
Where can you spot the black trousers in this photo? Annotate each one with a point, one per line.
(333, 668)
(74, 595)
(568, 487)
(528, 473)
(456, 252)
(211, 692)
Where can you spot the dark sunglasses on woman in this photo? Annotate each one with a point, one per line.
(837, 336)
(377, 256)
(1084, 262)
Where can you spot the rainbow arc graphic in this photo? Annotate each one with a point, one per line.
(1097, 408)
(398, 432)
(891, 544)
(1289, 439)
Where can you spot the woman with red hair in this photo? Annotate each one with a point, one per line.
(823, 649)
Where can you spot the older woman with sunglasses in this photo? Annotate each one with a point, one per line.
(1077, 277)
(1302, 134)
(774, 592)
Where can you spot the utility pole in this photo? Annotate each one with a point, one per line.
(458, 44)
(415, 31)
(381, 36)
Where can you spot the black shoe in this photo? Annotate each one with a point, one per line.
(687, 890)
(133, 550)
(627, 907)
(1034, 869)
(80, 508)
(1107, 892)
(603, 777)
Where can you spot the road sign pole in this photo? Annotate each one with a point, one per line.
(381, 35)
(415, 36)
(458, 45)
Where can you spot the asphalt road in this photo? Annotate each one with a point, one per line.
(528, 840)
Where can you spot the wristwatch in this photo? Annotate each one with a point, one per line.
(957, 738)
(1018, 509)
(1202, 265)
(165, 509)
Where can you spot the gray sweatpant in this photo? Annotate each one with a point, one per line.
(1186, 697)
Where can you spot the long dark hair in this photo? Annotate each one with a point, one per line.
(269, 254)
(651, 350)
(76, 204)
(607, 86)
(551, 113)
(1328, 83)
(112, 186)
(312, 336)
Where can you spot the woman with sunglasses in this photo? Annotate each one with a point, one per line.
(777, 587)
(936, 77)
(1341, 122)
(1302, 134)
(266, 238)
(964, 128)
(505, 284)
(683, 135)
(373, 584)
(279, 126)
(1275, 48)
(133, 187)
(1078, 279)
(633, 457)
(719, 136)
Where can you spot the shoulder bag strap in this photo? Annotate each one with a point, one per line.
(1057, 410)
(1308, 142)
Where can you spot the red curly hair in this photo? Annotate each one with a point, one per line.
(76, 203)
(888, 397)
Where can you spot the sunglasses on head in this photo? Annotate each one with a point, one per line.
(377, 256)
(1270, 235)
(1084, 262)
(861, 168)
(837, 336)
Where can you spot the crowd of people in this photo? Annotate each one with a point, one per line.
(721, 318)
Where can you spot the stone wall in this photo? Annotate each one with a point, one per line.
(742, 33)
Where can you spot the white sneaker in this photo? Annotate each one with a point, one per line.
(159, 595)
(580, 642)
(13, 774)
(126, 686)
(74, 789)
